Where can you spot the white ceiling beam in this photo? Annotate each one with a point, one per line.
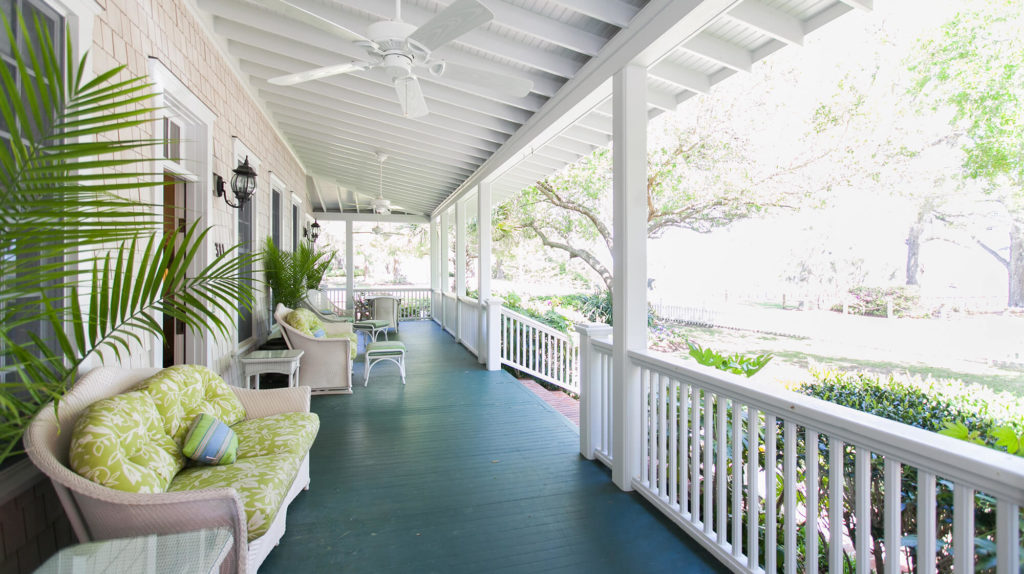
(863, 5)
(614, 12)
(661, 99)
(387, 98)
(356, 152)
(547, 29)
(595, 121)
(294, 123)
(311, 185)
(719, 51)
(269, 22)
(389, 218)
(408, 129)
(368, 107)
(369, 188)
(350, 162)
(354, 125)
(489, 42)
(682, 76)
(587, 136)
(412, 200)
(770, 21)
(280, 53)
(371, 145)
(654, 32)
(572, 146)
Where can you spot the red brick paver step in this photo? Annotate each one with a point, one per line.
(561, 402)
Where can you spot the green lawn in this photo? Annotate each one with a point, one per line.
(800, 352)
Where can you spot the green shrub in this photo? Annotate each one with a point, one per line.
(551, 318)
(874, 301)
(735, 363)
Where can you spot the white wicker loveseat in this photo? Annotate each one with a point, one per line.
(99, 512)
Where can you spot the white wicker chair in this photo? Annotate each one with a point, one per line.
(327, 311)
(100, 513)
(326, 362)
(385, 308)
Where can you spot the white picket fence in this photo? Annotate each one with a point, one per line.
(715, 450)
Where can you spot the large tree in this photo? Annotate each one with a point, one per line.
(975, 67)
(705, 171)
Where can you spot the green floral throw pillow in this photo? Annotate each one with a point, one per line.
(304, 321)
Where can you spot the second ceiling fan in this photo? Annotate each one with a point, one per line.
(402, 50)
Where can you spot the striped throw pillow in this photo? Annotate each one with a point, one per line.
(210, 441)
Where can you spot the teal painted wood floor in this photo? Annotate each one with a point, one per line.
(463, 470)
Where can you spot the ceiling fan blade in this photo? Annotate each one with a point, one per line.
(318, 73)
(297, 12)
(491, 81)
(450, 23)
(410, 95)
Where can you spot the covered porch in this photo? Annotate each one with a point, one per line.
(464, 470)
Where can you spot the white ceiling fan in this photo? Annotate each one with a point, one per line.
(402, 50)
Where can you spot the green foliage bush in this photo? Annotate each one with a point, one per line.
(874, 301)
(735, 363)
(550, 317)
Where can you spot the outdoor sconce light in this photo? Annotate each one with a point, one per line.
(243, 184)
(313, 231)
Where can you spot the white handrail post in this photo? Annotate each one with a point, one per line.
(590, 404)
(629, 255)
(493, 333)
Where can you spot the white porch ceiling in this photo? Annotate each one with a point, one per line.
(472, 133)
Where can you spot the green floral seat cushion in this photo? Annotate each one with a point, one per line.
(261, 482)
(120, 442)
(277, 434)
(354, 347)
(304, 321)
(183, 392)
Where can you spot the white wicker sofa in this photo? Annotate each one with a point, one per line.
(188, 502)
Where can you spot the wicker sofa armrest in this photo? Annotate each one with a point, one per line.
(264, 403)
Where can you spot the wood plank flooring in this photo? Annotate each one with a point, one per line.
(464, 470)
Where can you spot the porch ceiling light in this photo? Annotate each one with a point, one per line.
(243, 184)
(313, 231)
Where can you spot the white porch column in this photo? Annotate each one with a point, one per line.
(629, 254)
(460, 263)
(350, 267)
(483, 225)
(442, 261)
(435, 277)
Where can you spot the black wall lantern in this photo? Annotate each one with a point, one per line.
(243, 184)
(313, 231)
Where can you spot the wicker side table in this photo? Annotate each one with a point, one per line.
(285, 362)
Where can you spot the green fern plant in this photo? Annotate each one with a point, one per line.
(291, 274)
(61, 173)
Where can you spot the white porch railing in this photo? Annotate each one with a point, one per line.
(538, 350)
(747, 466)
(469, 323)
(416, 301)
(450, 313)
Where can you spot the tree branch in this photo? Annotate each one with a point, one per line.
(584, 255)
(556, 200)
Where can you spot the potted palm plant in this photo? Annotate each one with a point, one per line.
(85, 271)
(291, 273)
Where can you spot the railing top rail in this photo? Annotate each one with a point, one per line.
(982, 468)
(448, 295)
(535, 324)
(469, 300)
(402, 289)
(603, 344)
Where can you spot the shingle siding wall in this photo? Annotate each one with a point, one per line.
(32, 527)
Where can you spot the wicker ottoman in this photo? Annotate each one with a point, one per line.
(372, 328)
(393, 351)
